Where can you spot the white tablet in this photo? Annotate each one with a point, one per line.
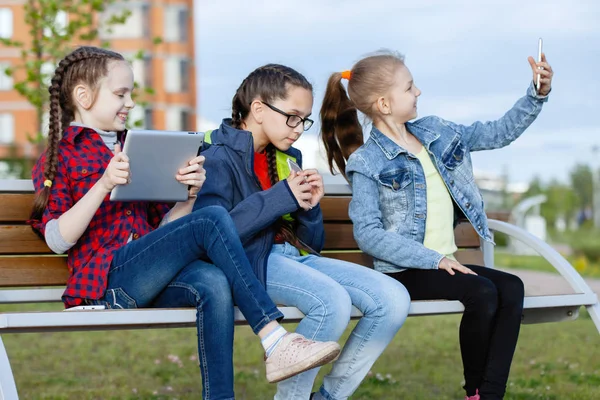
(154, 159)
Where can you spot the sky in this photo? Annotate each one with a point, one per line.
(468, 57)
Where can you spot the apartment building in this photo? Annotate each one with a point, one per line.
(167, 67)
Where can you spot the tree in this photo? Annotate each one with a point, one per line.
(51, 38)
(582, 184)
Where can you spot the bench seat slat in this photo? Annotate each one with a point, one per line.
(186, 317)
(340, 236)
(33, 271)
(15, 207)
(20, 239)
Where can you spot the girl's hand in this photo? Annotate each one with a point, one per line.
(193, 175)
(301, 190)
(451, 265)
(117, 172)
(546, 74)
(317, 189)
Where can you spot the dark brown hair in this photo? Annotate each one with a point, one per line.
(268, 83)
(341, 131)
(85, 65)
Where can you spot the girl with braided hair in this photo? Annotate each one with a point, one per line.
(277, 215)
(142, 254)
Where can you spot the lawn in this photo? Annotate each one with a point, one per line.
(553, 361)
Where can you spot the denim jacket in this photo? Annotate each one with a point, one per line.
(389, 198)
(232, 183)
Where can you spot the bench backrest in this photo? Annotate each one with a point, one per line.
(25, 260)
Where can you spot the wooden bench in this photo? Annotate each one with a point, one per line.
(31, 273)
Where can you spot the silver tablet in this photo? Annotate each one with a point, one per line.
(154, 159)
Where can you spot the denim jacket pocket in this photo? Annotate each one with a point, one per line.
(454, 155)
(457, 161)
(394, 187)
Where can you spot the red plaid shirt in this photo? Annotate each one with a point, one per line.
(82, 159)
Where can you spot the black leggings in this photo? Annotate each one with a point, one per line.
(490, 325)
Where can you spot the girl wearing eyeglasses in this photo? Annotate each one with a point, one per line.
(276, 212)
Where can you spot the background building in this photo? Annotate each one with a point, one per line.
(167, 67)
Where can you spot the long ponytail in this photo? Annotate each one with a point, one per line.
(341, 131)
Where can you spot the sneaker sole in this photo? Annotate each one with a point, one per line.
(319, 359)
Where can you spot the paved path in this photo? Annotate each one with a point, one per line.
(539, 283)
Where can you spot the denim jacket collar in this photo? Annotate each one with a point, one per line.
(392, 150)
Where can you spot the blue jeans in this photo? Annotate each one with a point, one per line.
(325, 289)
(169, 268)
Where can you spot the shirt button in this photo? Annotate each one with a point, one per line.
(420, 216)
(419, 186)
(128, 212)
(135, 236)
(479, 227)
(452, 182)
(84, 171)
(468, 205)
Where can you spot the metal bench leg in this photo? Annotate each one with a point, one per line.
(8, 388)
(594, 311)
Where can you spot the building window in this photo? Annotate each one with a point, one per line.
(6, 23)
(148, 71)
(146, 20)
(185, 120)
(6, 82)
(134, 28)
(7, 129)
(177, 75)
(176, 24)
(148, 119)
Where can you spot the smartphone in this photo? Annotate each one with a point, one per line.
(78, 308)
(293, 166)
(539, 59)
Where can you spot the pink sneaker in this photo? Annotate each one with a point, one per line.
(296, 354)
(474, 397)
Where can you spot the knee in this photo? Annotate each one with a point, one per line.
(213, 213)
(512, 292)
(482, 298)
(212, 289)
(333, 307)
(392, 301)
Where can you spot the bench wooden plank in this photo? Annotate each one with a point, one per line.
(340, 236)
(15, 207)
(33, 271)
(20, 239)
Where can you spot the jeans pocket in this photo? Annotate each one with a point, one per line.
(117, 298)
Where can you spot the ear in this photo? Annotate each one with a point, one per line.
(383, 106)
(256, 111)
(83, 96)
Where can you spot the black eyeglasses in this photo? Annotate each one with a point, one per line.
(292, 120)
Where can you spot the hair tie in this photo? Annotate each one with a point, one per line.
(48, 183)
(347, 75)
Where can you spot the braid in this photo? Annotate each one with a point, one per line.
(272, 164)
(84, 65)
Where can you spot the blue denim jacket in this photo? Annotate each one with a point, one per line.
(232, 183)
(389, 198)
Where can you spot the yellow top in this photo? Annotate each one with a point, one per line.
(439, 225)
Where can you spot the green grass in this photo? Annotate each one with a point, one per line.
(553, 361)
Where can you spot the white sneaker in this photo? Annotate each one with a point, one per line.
(296, 354)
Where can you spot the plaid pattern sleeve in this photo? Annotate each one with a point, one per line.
(83, 158)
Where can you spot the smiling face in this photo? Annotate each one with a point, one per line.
(107, 106)
(402, 96)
